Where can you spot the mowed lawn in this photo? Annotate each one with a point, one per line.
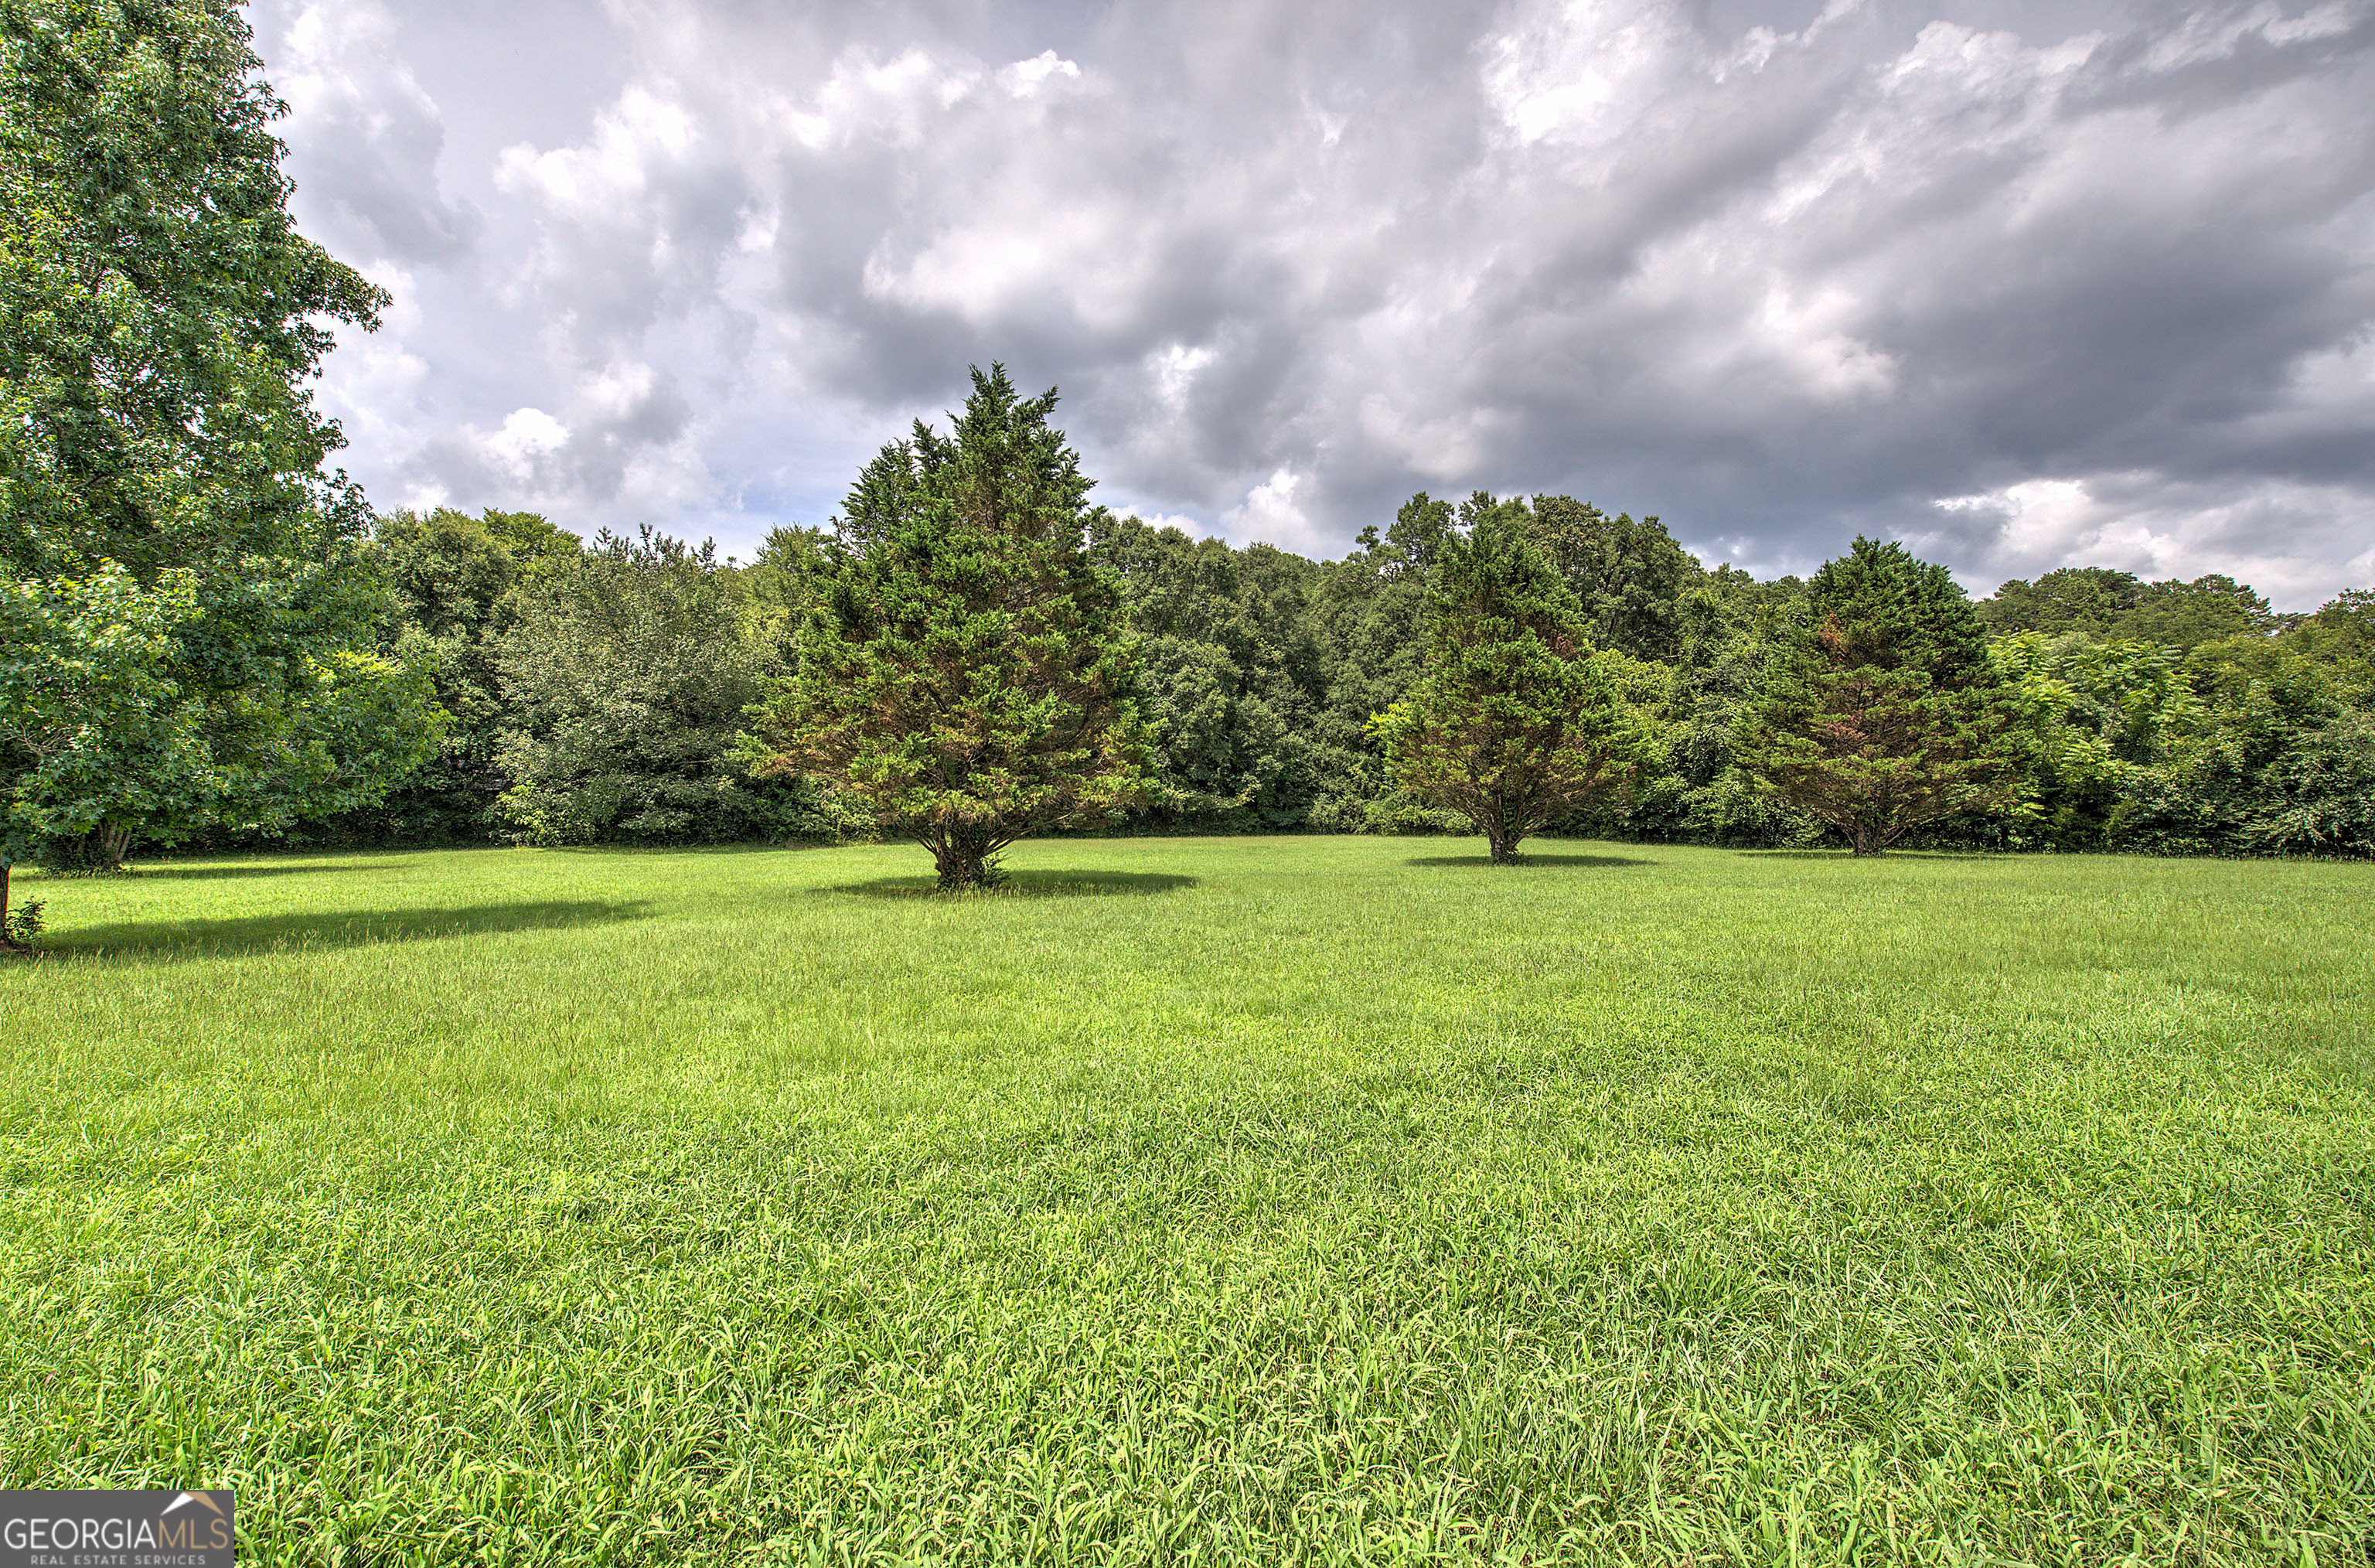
(1315, 1199)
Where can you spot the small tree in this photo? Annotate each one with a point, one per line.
(1884, 712)
(82, 687)
(964, 668)
(1515, 722)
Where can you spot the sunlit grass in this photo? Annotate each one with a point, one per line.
(1325, 1199)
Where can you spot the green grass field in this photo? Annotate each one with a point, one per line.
(1204, 1200)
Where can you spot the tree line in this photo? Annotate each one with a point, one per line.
(207, 636)
(618, 691)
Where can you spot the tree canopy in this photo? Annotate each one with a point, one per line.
(964, 667)
(2100, 602)
(1884, 712)
(164, 506)
(628, 675)
(1513, 722)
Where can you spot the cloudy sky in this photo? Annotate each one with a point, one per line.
(2024, 282)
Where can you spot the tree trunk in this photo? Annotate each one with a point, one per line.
(959, 865)
(1504, 848)
(962, 858)
(9, 944)
(96, 853)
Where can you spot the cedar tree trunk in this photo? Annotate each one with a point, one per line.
(962, 856)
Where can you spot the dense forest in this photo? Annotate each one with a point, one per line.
(600, 692)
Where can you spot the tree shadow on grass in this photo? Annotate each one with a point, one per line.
(1024, 885)
(326, 929)
(737, 846)
(1525, 860)
(1886, 855)
(213, 873)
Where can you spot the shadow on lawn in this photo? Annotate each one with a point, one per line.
(1525, 860)
(1886, 855)
(212, 873)
(326, 928)
(1025, 885)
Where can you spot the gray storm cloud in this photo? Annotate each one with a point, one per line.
(2025, 285)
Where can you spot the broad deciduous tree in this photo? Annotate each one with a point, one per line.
(625, 682)
(2091, 599)
(965, 669)
(81, 672)
(1629, 577)
(161, 458)
(454, 586)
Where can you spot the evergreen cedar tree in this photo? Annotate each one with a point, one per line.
(1514, 723)
(963, 668)
(184, 624)
(1883, 713)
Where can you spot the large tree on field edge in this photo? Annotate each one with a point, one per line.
(964, 669)
(1884, 712)
(188, 629)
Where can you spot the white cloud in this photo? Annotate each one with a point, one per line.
(1269, 514)
(893, 100)
(1586, 76)
(373, 131)
(2285, 539)
(1443, 448)
(526, 437)
(1025, 78)
(1152, 519)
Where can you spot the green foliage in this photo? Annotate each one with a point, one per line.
(1658, 1205)
(2093, 599)
(965, 669)
(1370, 613)
(1515, 722)
(789, 565)
(2246, 746)
(1219, 747)
(2275, 757)
(1342, 640)
(2088, 718)
(175, 552)
(1233, 676)
(88, 704)
(625, 681)
(2344, 631)
(1732, 631)
(21, 926)
(2100, 602)
(1262, 670)
(455, 589)
(1631, 578)
(1885, 712)
(2186, 615)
